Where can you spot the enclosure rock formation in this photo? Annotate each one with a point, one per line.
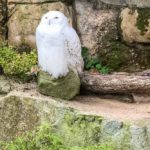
(25, 16)
(93, 24)
(133, 3)
(21, 112)
(118, 31)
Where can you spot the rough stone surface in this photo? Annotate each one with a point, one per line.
(118, 55)
(92, 28)
(140, 97)
(135, 25)
(135, 3)
(111, 127)
(38, 1)
(25, 18)
(20, 113)
(22, 116)
(3, 20)
(139, 138)
(66, 87)
(5, 86)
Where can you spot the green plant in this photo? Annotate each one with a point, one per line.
(93, 62)
(16, 64)
(96, 147)
(39, 139)
(43, 138)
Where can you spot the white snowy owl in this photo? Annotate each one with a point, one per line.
(58, 45)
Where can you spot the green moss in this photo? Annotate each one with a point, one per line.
(43, 138)
(113, 53)
(124, 139)
(65, 87)
(115, 56)
(70, 129)
(143, 19)
(80, 130)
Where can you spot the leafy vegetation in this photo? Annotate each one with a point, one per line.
(42, 138)
(93, 62)
(16, 64)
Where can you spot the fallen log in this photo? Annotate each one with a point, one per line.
(116, 83)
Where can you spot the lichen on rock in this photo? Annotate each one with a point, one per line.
(135, 25)
(65, 87)
(143, 20)
(21, 113)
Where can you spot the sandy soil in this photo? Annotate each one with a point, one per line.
(111, 108)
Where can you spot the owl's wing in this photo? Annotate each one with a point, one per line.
(39, 44)
(73, 49)
(39, 38)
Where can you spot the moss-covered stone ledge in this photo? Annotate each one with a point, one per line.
(20, 113)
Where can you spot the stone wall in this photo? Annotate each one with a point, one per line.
(135, 3)
(3, 19)
(25, 16)
(118, 31)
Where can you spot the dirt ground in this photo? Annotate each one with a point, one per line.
(111, 108)
(93, 104)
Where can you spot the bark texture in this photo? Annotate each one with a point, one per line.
(116, 83)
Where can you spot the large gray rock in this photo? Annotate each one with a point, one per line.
(66, 87)
(91, 23)
(139, 138)
(20, 112)
(5, 86)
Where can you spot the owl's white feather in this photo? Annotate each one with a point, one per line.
(73, 49)
(58, 45)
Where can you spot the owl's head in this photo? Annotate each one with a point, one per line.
(54, 18)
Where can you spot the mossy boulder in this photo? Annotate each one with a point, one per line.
(22, 113)
(65, 87)
(135, 25)
(118, 55)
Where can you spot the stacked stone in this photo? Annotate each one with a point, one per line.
(117, 30)
(3, 19)
(135, 3)
(25, 16)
